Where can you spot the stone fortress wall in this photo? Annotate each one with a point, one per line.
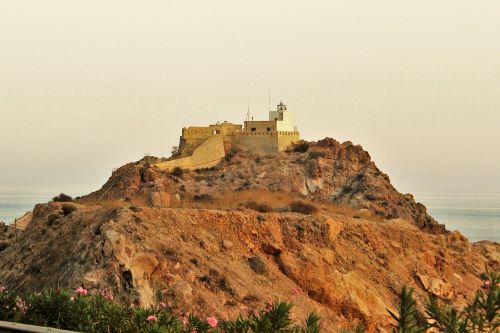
(204, 147)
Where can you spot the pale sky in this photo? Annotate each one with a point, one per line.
(86, 86)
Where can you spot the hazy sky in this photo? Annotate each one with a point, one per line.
(86, 86)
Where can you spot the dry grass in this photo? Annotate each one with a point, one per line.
(302, 207)
(259, 207)
(258, 200)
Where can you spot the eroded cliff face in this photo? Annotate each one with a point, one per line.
(219, 262)
(328, 171)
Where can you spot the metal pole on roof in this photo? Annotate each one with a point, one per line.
(269, 99)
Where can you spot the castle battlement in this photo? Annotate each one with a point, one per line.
(203, 147)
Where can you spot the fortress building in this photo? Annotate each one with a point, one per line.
(204, 147)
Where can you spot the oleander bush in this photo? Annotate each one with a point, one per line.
(80, 311)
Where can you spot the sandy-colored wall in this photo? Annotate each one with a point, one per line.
(286, 124)
(212, 150)
(206, 155)
(193, 137)
(285, 139)
(257, 142)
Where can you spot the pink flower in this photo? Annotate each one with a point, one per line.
(82, 291)
(294, 292)
(21, 305)
(212, 321)
(269, 306)
(151, 318)
(487, 283)
(106, 294)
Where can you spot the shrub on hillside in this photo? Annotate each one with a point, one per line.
(52, 218)
(259, 207)
(303, 207)
(314, 155)
(301, 147)
(177, 172)
(205, 197)
(62, 198)
(4, 245)
(68, 209)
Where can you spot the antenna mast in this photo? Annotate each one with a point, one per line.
(269, 99)
(248, 109)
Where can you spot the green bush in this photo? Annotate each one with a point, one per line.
(259, 207)
(62, 198)
(303, 208)
(83, 312)
(301, 147)
(177, 172)
(4, 245)
(68, 209)
(481, 315)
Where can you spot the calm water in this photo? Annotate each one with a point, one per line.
(18, 198)
(476, 215)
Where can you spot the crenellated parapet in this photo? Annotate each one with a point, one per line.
(201, 147)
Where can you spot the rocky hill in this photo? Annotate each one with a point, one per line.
(326, 170)
(225, 241)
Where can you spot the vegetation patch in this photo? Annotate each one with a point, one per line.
(303, 208)
(314, 155)
(177, 172)
(301, 147)
(259, 207)
(62, 198)
(68, 209)
(80, 311)
(205, 197)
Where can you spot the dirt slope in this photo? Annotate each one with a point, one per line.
(220, 262)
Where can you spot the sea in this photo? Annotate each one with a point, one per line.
(475, 215)
(17, 198)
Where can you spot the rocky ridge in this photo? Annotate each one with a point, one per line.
(340, 173)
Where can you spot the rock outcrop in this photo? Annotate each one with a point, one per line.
(330, 171)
